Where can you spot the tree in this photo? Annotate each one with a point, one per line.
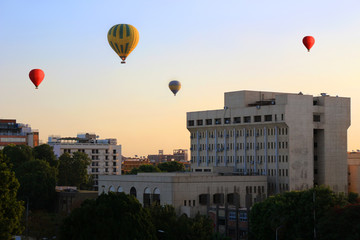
(73, 169)
(110, 216)
(46, 152)
(10, 208)
(144, 168)
(292, 213)
(171, 167)
(340, 223)
(18, 154)
(37, 183)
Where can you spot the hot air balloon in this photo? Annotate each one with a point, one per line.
(123, 38)
(308, 41)
(174, 86)
(36, 76)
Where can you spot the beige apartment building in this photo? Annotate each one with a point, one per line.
(295, 140)
(105, 154)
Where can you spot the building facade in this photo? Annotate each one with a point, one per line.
(105, 154)
(295, 140)
(12, 132)
(179, 155)
(354, 171)
(127, 164)
(189, 193)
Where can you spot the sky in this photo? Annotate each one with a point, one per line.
(211, 47)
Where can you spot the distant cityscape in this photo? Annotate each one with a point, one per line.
(260, 144)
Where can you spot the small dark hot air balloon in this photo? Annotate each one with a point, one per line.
(308, 41)
(174, 86)
(36, 76)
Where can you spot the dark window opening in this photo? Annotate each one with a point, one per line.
(203, 199)
(257, 118)
(208, 121)
(218, 198)
(217, 121)
(268, 118)
(199, 122)
(316, 118)
(237, 120)
(227, 120)
(247, 119)
(191, 123)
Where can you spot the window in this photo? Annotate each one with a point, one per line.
(199, 122)
(106, 157)
(114, 169)
(106, 151)
(315, 102)
(191, 123)
(227, 120)
(257, 118)
(184, 202)
(237, 120)
(217, 121)
(247, 119)
(218, 198)
(208, 121)
(316, 118)
(315, 171)
(114, 164)
(268, 118)
(203, 199)
(114, 151)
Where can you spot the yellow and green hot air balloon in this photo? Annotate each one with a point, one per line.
(123, 38)
(174, 86)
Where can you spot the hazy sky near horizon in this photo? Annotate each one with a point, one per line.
(211, 47)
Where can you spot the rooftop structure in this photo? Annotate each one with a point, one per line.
(12, 132)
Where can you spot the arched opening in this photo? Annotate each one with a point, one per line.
(111, 189)
(156, 196)
(133, 191)
(147, 197)
(120, 189)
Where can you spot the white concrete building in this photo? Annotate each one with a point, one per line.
(188, 192)
(295, 140)
(105, 154)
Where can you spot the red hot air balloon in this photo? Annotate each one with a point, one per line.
(308, 41)
(36, 76)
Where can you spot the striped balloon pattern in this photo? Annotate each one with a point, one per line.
(123, 39)
(174, 86)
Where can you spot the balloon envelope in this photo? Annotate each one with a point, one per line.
(308, 41)
(36, 76)
(174, 86)
(123, 38)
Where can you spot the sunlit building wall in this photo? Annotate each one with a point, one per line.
(105, 154)
(15, 133)
(296, 140)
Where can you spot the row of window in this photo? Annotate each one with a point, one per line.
(93, 151)
(239, 146)
(241, 132)
(106, 158)
(235, 120)
(94, 170)
(240, 159)
(96, 164)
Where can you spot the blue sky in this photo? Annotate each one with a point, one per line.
(211, 47)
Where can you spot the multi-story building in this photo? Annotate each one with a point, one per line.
(354, 171)
(17, 133)
(128, 164)
(296, 140)
(105, 154)
(179, 155)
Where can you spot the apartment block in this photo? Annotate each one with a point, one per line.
(12, 132)
(296, 140)
(105, 154)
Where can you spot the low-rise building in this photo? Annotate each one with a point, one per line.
(130, 163)
(12, 132)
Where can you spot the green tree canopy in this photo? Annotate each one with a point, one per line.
(292, 213)
(110, 216)
(46, 152)
(144, 168)
(37, 182)
(10, 209)
(73, 169)
(18, 154)
(171, 167)
(170, 226)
